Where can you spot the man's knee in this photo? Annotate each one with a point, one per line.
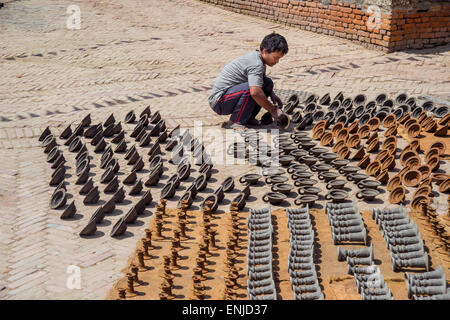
(268, 86)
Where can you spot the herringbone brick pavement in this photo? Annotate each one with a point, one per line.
(127, 55)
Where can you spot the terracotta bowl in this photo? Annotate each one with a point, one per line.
(373, 123)
(353, 127)
(413, 163)
(445, 120)
(430, 153)
(416, 203)
(364, 162)
(395, 181)
(409, 122)
(383, 154)
(441, 131)
(405, 155)
(440, 145)
(383, 176)
(342, 135)
(415, 145)
(422, 116)
(319, 124)
(364, 131)
(433, 162)
(374, 146)
(372, 137)
(431, 126)
(397, 195)
(389, 121)
(392, 131)
(354, 141)
(425, 170)
(422, 191)
(439, 177)
(404, 118)
(337, 127)
(338, 146)
(414, 130)
(391, 148)
(445, 186)
(326, 139)
(412, 178)
(359, 154)
(373, 169)
(318, 133)
(344, 152)
(425, 182)
(388, 163)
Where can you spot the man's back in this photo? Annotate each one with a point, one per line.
(247, 68)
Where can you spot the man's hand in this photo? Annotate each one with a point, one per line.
(276, 100)
(276, 114)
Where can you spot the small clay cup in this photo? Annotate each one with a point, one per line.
(274, 197)
(397, 195)
(412, 178)
(367, 194)
(336, 196)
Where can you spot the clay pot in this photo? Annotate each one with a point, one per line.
(274, 197)
(338, 146)
(336, 184)
(405, 155)
(439, 177)
(422, 191)
(305, 182)
(410, 122)
(413, 163)
(284, 188)
(296, 167)
(445, 120)
(336, 128)
(328, 176)
(368, 184)
(344, 152)
(215, 202)
(392, 131)
(374, 146)
(364, 131)
(308, 160)
(239, 200)
(326, 139)
(441, 111)
(382, 155)
(374, 123)
(391, 148)
(318, 133)
(317, 151)
(308, 145)
(425, 171)
(405, 117)
(412, 178)
(306, 200)
(296, 175)
(430, 126)
(338, 163)
(353, 127)
(416, 203)
(347, 170)
(383, 176)
(364, 162)
(445, 186)
(439, 145)
(336, 195)
(394, 182)
(414, 130)
(342, 135)
(286, 160)
(354, 141)
(389, 140)
(308, 190)
(320, 124)
(373, 169)
(278, 179)
(250, 178)
(389, 121)
(321, 167)
(388, 163)
(359, 154)
(425, 182)
(367, 194)
(433, 163)
(441, 131)
(397, 195)
(328, 156)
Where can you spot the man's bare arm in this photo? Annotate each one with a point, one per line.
(260, 98)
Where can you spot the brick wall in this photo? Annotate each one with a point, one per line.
(402, 24)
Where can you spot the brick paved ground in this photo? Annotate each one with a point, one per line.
(129, 54)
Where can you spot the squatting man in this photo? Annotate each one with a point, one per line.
(242, 88)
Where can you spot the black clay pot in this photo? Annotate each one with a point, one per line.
(130, 117)
(318, 115)
(119, 137)
(139, 165)
(114, 165)
(347, 103)
(276, 179)
(215, 202)
(186, 196)
(401, 98)
(250, 178)
(359, 111)
(155, 118)
(305, 182)
(337, 195)
(441, 111)
(92, 197)
(82, 178)
(69, 212)
(137, 188)
(359, 100)
(119, 228)
(321, 167)
(228, 184)
(284, 188)
(369, 184)
(100, 146)
(109, 131)
(325, 100)
(367, 194)
(381, 98)
(107, 176)
(89, 229)
(87, 187)
(309, 190)
(58, 199)
(349, 170)
(357, 177)
(109, 206)
(112, 186)
(336, 184)
(338, 163)
(239, 201)
(334, 105)
(98, 215)
(66, 133)
(328, 176)
(201, 182)
(274, 197)
(168, 191)
(131, 216)
(316, 152)
(297, 117)
(45, 134)
(306, 200)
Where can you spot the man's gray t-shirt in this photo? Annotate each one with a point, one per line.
(247, 68)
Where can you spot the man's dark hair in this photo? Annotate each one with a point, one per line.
(274, 42)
